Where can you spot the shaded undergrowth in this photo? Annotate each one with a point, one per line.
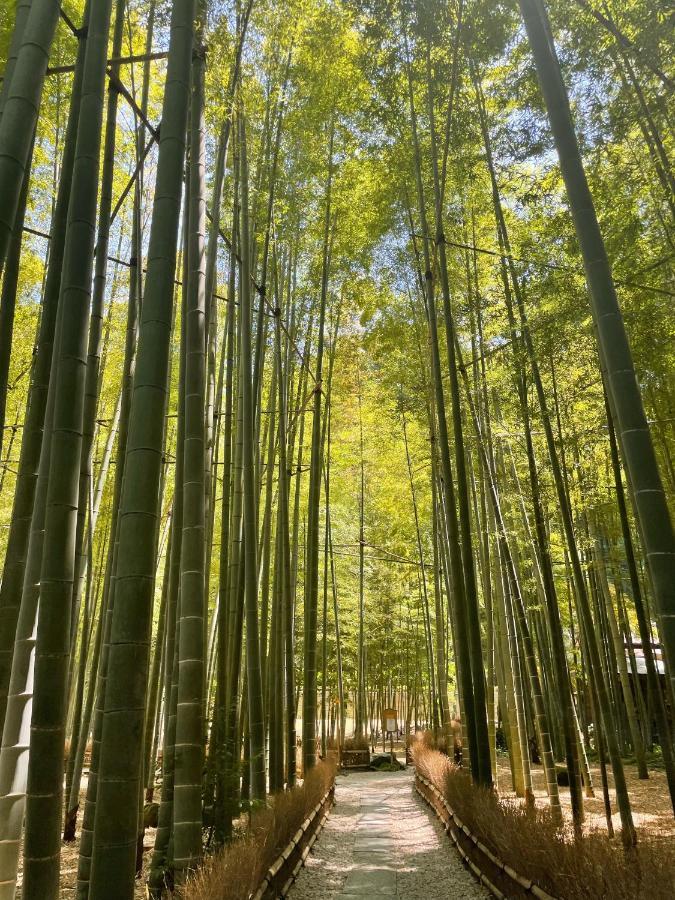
(235, 871)
(528, 840)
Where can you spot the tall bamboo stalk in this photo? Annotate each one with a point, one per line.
(633, 430)
(31, 443)
(256, 726)
(20, 108)
(309, 698)
(120, 776)
(44, 795)
(190, 733)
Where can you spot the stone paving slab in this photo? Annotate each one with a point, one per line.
(374, 844)
(373, 831)
(367, 881)
(345, 896)
(373, 859)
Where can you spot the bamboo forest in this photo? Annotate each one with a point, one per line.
(337, 460)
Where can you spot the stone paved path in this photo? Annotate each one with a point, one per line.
(382, 841)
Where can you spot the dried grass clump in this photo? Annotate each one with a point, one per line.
(235, 872)
(442, 741)
(429, 761)
(528, 840)
(426, 739)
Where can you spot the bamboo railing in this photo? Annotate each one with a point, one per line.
(497, 876)
(284, 870)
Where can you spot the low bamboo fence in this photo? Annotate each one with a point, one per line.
(497, 876)
(284, 870)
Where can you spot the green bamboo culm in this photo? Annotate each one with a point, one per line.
(24, 496)
(20, 110)
(15, 751)
(484, 766)
(161, 864)
(94, 350)
(256, 723)
(544, 558)
(8, 296)
(283, 561)
(313, 512)
(189, 745)
(635, 440)
(20, 578)
(463, 644)
(221, 784)
(119, 776)
(21, 10)
(44, 796)
(109, 583)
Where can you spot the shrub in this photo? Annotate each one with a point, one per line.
(528, 840)
(235, 872)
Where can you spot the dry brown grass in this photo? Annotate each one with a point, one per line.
(440, 741)
(528, 841)
(235, 872)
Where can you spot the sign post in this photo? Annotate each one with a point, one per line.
(389, 724)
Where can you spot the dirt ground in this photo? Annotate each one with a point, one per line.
(650, 800)
(69, 857)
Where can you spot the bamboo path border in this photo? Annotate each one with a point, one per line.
(284, 870)
(474, 854)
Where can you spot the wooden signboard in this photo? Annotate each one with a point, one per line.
(389, 720)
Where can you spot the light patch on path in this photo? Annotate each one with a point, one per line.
(381, 841)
